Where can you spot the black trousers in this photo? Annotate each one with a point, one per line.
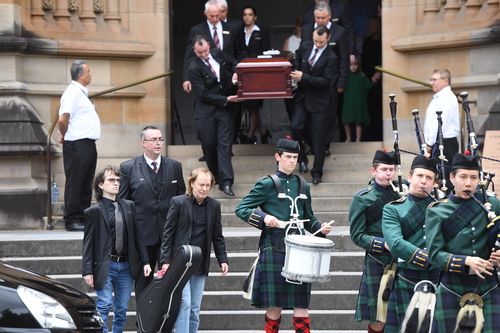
(316, 122)
(450, 146)
(80, 158)
(143, 281)
(216, 136)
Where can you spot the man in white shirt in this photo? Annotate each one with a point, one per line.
(79, 128)
(443, 100)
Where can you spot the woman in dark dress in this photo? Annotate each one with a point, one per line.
(251, 42)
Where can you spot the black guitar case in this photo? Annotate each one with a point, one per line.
(158, 305)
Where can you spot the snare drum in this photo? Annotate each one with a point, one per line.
(307, 258)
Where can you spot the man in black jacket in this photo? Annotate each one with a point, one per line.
(194, 219)
(315, 70)
(211, 74)
(339, 44)
(219, 34)
(150, 181)
(113, 252)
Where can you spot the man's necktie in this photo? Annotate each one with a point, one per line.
(118, 228)
(216, 38)
(155, 167)
(210, 67)
(312, 60)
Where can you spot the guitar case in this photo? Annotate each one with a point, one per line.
(158, 305)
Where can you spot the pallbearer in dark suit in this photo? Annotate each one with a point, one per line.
(211, 74)
(113, 251)
(457, 240)
(251, 41)
(150, 181)
(195, 219)
(403, 225)
(315, 70)
(219, 35)
(339, 44)
(365, 218)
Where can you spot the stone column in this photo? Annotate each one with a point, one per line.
(87, 16)
(430, 10)
(61, 14)
(472, 8)
(112, 16)
(451, 9)
(37, 14)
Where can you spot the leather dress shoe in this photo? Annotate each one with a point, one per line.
(303, 167)
(202, 159)
(74, 226)
(316, 180)
(227, 190)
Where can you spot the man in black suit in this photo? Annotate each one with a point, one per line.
(339, 44)
(211, 75)
(315, 68)
(194, 219)
(113, 251)
(340, 15)
(150, 181)
(234, 24)
(219, 34)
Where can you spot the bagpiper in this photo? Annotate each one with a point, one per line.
(262, 209)
(468, 296)
(365, 215)
(412, 299)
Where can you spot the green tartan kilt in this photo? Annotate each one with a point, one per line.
(402, 293)
(270, 288)
(448, 304)
(366, 305)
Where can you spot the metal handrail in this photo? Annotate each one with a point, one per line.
(404, 77)
(50, 226)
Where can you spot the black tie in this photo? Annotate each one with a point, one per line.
(155, 167)
(118, 228)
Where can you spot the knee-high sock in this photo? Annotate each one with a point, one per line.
(272, 325)
(302, 324)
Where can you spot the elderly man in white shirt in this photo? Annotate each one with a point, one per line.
(79, 128)
(443, 100)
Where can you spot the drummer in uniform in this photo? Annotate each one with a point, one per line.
(403, 225)
(261, 208)
(365, 215)
(457, 240)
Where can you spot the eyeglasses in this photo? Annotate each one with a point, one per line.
(155, 140)
(113, 180)
(434, 79)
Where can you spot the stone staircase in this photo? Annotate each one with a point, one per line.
(58, 253)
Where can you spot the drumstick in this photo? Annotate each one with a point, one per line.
(328, 224)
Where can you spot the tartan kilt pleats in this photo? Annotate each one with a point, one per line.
(366, 305)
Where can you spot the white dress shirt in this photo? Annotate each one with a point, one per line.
(215, 65)
(84, 122)
(446, 101)
(219, 33)
(149, 161)
(320, 51)
(247, 36)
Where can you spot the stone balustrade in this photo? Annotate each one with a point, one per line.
(80, 16)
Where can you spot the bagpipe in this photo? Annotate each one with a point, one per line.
(397, 152)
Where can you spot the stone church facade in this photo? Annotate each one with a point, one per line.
(126, 41)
